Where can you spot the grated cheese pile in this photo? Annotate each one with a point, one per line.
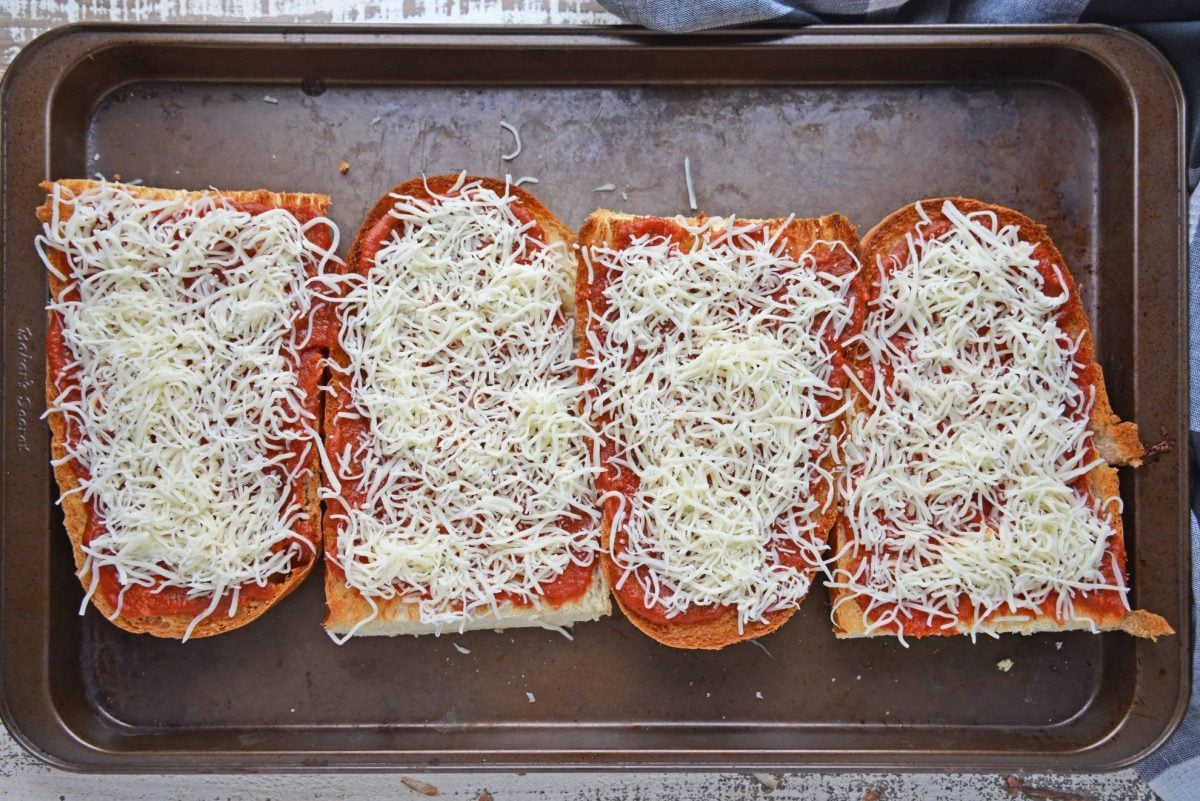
(957, 480)
(183, 339)
(709, 378)
(475, 476)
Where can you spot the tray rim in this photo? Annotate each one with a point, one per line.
(600, 36)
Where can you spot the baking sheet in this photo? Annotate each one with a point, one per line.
(860, 121)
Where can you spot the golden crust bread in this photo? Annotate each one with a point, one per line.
(721, 631)
(265, 197)
(1116, 441)
(706, 635)
(75, 513)
(345, 607)
(557, 234)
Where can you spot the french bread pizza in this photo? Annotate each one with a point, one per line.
(711, 353)
(184, 348)
(979, 488)
(459, 495)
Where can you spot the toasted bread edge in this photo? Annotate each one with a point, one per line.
(1116, 441)
(75, 514)
(722, 631)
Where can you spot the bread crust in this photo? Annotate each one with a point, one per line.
(721, 631)
(75, 513)
(556, 232)
(345, 607)
(1116, 441)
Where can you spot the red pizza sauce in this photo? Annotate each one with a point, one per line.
(139, 600)
(1056, 281)
(345, 432)
(591, 287)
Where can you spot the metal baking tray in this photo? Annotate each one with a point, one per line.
(1078, 127)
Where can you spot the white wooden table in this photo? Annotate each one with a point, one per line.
(23, 777)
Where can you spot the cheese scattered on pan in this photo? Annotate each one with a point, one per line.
(1004, 665)
(762, 648)
(958, 480)
(687, 178)
(516, 140)
(184, 334)
(710, 375)
(474, 480)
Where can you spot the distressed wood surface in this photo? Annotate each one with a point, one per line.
(23, 777)
(22, 20)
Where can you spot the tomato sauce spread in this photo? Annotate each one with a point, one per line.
(348, 431)
(1056, 282)
(320, 330)
(827, 259)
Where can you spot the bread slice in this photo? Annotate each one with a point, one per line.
(723, 630)
(346, 607)
(75, 511)
(1116, 441)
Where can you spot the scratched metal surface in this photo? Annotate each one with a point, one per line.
(754, 150)
(23, 777)
(757, 151)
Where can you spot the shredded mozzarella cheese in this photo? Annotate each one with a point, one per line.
(710, 370)
(185, 337)
(958, 477)
(474, 480)
(687, 180)
(516, 141)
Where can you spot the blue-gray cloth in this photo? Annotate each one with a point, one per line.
(1174, 27)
